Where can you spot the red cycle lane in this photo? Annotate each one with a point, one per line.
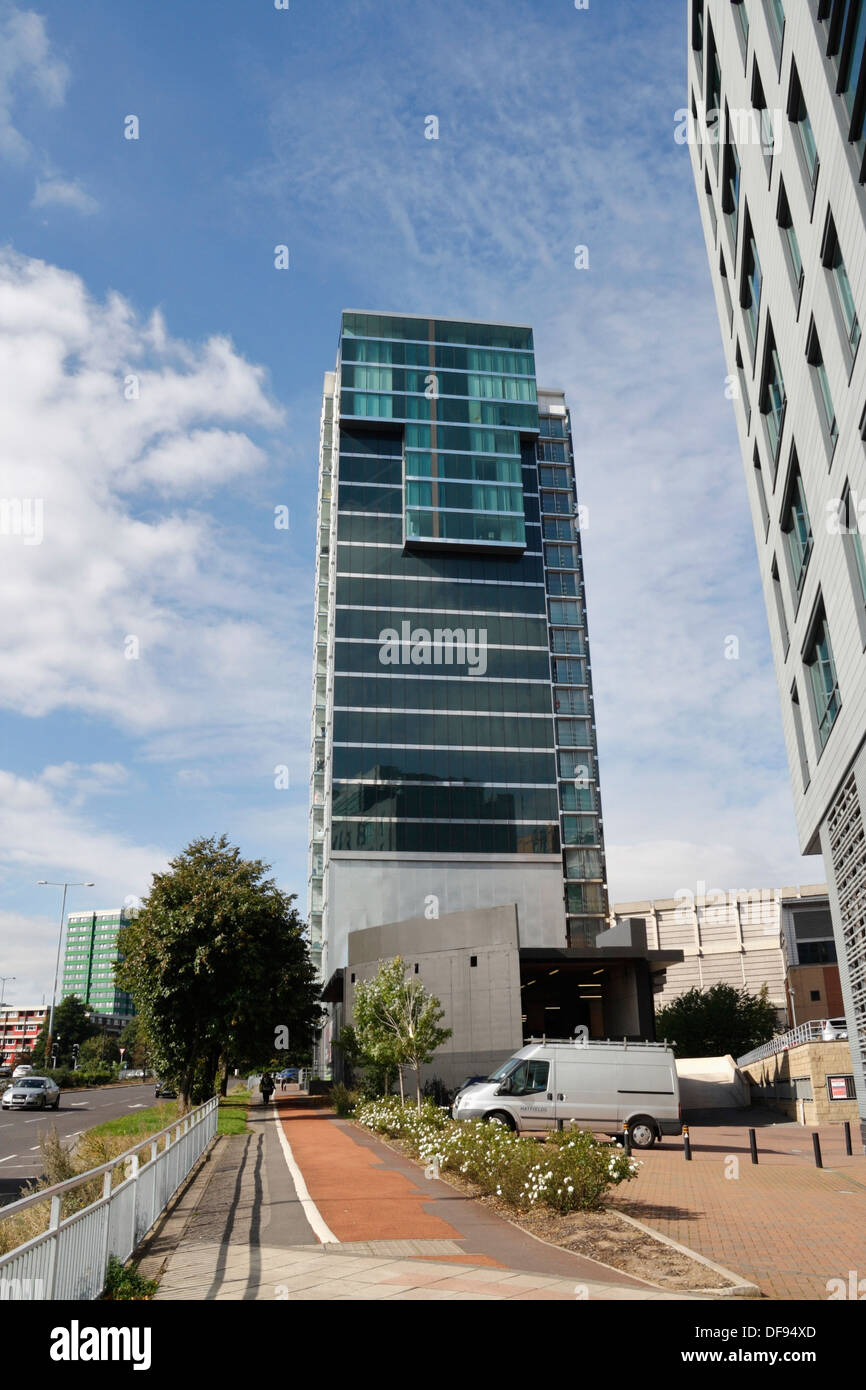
(365, 1192)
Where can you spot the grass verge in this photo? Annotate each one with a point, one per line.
(140, 1123)
(232, 1117)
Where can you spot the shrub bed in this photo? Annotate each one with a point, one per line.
(572, 1171)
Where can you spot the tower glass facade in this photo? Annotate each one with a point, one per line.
(453, 731)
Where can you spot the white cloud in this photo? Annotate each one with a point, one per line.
(206, 655)
(82, 781)
(44, 833)
(29, 951)
(202, 459)
(66, 193)
(27, 64)
(47, 832)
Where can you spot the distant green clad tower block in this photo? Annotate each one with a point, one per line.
(89, 961)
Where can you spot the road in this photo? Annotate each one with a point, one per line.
(79, 1110)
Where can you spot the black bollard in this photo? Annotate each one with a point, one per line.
(847, 1128)
(753, 1145)
(687, 1147)
(626, 1140)
(816, 1149)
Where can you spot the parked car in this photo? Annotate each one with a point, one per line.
(165, 1090)
(32, 1093)
(25, 1069)
(5, 1071)
(289, 1074)
(599, 1086)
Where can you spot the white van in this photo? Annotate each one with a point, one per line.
(599, 1086)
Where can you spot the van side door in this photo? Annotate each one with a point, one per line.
(532, 1094)
(586, 1090)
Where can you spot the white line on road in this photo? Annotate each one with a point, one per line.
(8, 1158)
(78, 1105)
(35, 1147)
(321, 1230)
(139, 1106)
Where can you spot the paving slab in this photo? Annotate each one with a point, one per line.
(783, 1223)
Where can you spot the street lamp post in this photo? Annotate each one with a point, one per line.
(47, 883)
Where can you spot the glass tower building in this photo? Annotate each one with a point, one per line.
(454, 752)
(91, 955)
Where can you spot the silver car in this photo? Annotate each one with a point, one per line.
(32, 1093)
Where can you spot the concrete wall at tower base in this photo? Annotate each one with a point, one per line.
(470, 962)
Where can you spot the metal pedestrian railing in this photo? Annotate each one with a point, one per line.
(69, 1260)
(817, 1030)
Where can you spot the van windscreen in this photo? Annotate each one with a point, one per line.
(505, 1070)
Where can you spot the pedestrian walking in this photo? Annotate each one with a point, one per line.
(266, 1086)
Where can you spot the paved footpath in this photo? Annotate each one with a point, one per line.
(784, 1224)
(248, 1231)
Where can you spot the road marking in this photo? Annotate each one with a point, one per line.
(139, 1106)
(8, 1158)
(78, 1105)
(35, 1147)
(321, 1230)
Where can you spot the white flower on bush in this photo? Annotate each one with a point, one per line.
(578, 1172)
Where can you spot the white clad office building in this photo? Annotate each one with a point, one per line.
(776, 100)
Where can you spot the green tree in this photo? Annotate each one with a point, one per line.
(218, 966)
(71, 1025)
(716, 1021)
(98, 1052)
(376, 1079)
(134, 1041)
(397, 1022)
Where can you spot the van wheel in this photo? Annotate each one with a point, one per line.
(641, 1133)
(500, 1117)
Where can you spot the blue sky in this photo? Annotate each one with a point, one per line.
(154, 259)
